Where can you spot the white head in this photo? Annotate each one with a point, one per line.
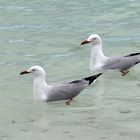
(93, 39)
(35, 70)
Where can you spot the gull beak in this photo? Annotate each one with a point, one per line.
(85, 42)
(24, 72)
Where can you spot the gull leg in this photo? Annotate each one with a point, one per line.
(124, 72)
(68, 102)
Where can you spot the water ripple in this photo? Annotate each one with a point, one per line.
(17, 53)
(123, 38)
(62, 55)
(15, 8)
(16, 26)
(21, 41)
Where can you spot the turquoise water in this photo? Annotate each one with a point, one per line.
(48, 33)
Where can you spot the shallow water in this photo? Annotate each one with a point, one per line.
(48, 33)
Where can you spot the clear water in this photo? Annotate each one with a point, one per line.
(48, 33)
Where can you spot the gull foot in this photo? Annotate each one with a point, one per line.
(68, 102)
(124, 72)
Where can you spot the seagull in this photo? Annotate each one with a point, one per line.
(61, 91)
(100, 62)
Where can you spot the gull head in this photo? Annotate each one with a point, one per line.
(35, 70)
(93, 39)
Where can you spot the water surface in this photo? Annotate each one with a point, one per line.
(48, 33)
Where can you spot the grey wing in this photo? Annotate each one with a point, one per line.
(67, 90)
(121, 63)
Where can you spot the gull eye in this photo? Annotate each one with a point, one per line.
(33, 70)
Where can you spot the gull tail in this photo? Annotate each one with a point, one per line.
(92, 78)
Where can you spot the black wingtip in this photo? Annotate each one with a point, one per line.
(132, 54)
(92, 78)
(98, 75)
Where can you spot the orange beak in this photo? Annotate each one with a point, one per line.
(85, 42)
(24, 72)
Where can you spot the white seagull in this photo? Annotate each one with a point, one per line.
(101, 62)
(55, 92)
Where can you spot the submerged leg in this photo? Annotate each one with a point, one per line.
(124, 72)
(68, 102)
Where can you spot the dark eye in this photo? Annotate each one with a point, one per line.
(33, 70)
(95, 38)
